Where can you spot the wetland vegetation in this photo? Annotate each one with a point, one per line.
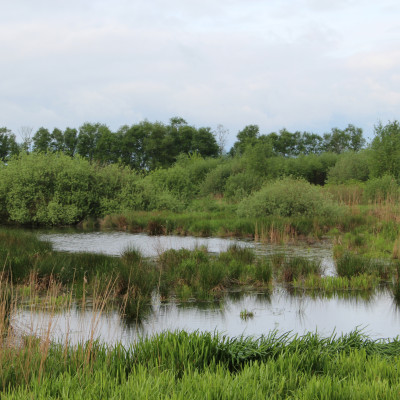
(175, 179)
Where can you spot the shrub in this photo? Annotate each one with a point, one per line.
(288, 197)
(350, 166)
(384, 188)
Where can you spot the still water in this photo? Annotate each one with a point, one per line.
(376, 313)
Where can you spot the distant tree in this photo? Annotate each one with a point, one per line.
(107, 150)
(385, 148)
(310, 143)
(339, 141)
(42, 140)
(87, 140)
(286, 143)
(57, 143)
(26, 134)
(204, 143)
(221, 134)
(8, 144)
(132, 140)
(246, 137)
(70, 141)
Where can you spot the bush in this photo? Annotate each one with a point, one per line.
(241, 185)
(288, 197)
(350, 166)
(383, 188)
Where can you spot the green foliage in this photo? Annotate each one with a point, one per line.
(350, 167)
(8, 144)
(380, 189)
(215, 180)
(48, 189)
(349, 265)
(240, 185)
(289, 269)
(203, 365)
(288, 197)
(386, 150)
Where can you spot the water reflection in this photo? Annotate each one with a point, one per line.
(283, 309)
(298, 312)
(114, 243)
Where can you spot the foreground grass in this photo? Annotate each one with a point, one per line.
(204, 365)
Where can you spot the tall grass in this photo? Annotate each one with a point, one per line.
(288, 269)
(196, 273)
(336, 283)
(203, 365)
(349, 265)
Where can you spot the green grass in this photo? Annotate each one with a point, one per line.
(337, 283)
(289, 269)
(203, 365)
(201, 275)
(350, 265)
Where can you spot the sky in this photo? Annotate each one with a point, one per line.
(307, 65)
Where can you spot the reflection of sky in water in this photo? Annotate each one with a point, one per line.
(298, 314)
(281, 311)
(114, 243)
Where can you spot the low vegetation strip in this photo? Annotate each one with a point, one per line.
(203, 365)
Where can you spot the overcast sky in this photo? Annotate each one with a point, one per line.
(306, 65)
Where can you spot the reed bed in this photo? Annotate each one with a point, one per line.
(197, 274)
(289, 269)
(350, 265)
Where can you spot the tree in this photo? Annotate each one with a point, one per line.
(8, 144)
(57, 143)
(339, 141)
(386, 150)
(42, 140)
(204, 143)
(221, 135)
(87, 139)
(26, 134)
(70, 141)
(246, 137)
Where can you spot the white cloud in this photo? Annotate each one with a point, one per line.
(301, 64)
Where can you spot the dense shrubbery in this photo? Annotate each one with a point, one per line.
(53, 188)
(288, 197)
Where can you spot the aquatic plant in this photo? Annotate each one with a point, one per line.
(246, 314)
(288, 269)
(350, 264)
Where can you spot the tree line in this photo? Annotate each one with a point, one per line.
(151, 145)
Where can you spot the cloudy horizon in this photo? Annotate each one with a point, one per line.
(304, 65)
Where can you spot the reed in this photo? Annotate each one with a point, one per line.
(288, 269)
(349, 265)
(338, 283)
(201, 275)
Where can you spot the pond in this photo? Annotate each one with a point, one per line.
(299, 312)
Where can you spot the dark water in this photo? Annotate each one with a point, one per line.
(280, 310)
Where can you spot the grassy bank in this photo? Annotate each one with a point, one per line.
(204, 365)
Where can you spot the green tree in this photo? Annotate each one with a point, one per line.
(246, 137)
(8, 144)
(339, 141)
(57, 140)
(385, 156)
(70, 141)
(42, 140)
